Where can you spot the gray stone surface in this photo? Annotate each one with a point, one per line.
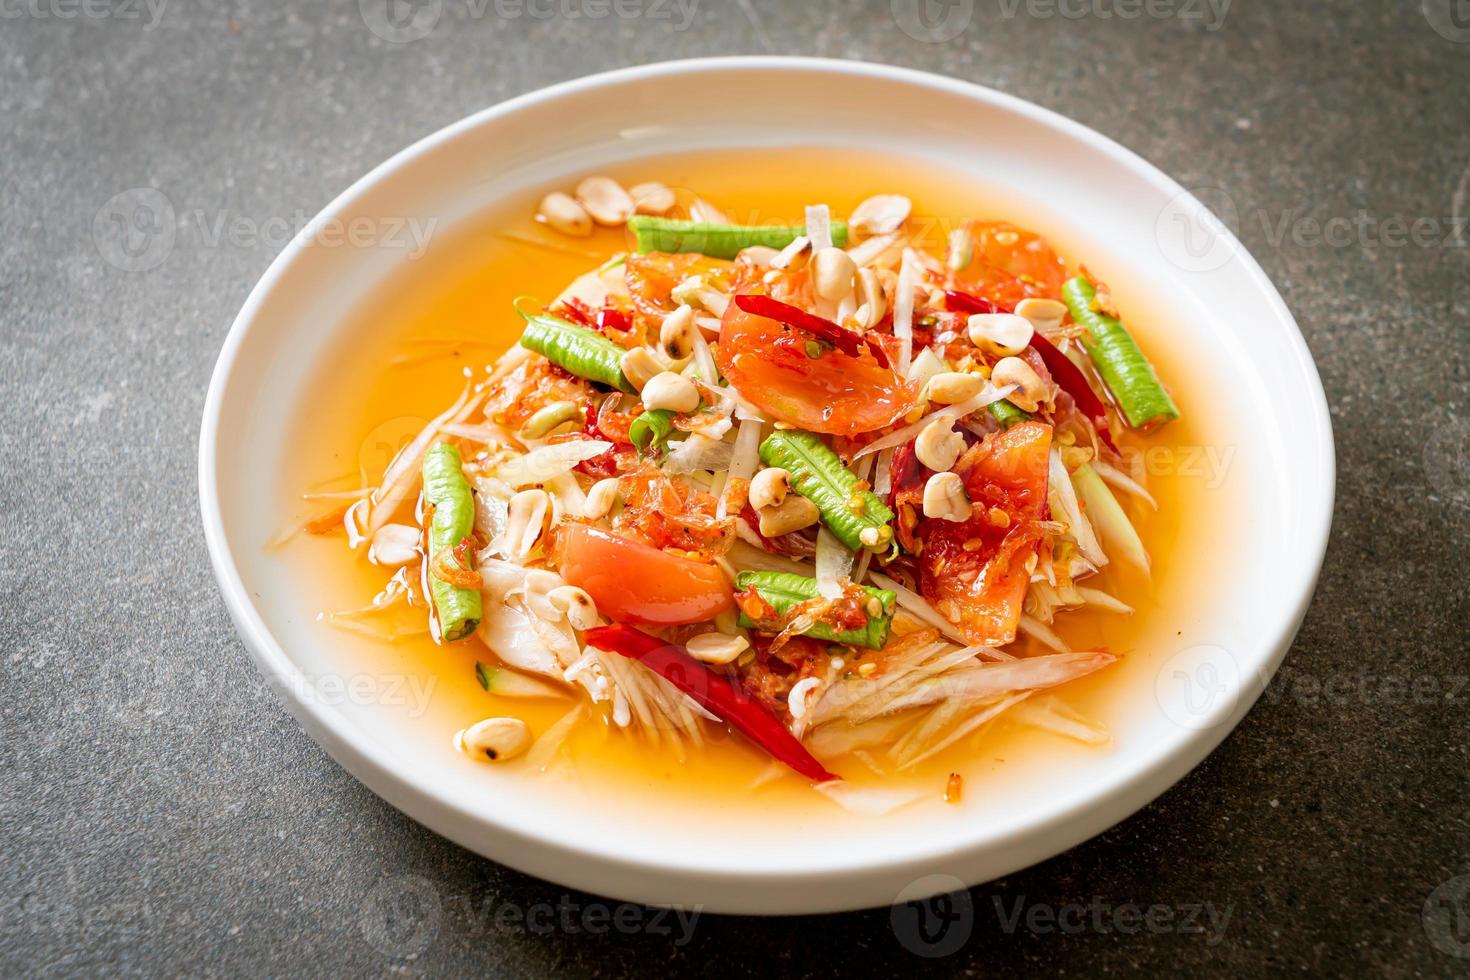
(161, 813)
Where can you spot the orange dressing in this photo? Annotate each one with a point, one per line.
(449, 312)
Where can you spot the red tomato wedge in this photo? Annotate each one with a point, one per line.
(768, 362)
(981, 588)
(1009, 264)
(820, 328)
(637, 583)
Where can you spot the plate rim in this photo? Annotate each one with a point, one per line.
(1121, 797)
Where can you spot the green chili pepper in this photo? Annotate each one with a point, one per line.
(447, 491)
(585, 353)
(1007, 414)
(1127, 373)
(784, 590)
(715, 240)
(651, 429)
(818, 475)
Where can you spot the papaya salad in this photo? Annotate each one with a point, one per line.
(820, 485)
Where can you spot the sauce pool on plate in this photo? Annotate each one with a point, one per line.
(451, 313)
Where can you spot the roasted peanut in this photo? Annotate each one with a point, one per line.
(945, 498)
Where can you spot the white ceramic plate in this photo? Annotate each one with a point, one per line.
(1109, 206)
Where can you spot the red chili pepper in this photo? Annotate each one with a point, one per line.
(847, 341)
(1074, 383)
(905, 471)
(615, 320)
(1066, 374)
(965, 303)
(713, 692)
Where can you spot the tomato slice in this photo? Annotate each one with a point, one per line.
(1009, 264)
(768, 362)
(975, 571)
(637, 583)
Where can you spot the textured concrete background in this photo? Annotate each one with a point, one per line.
(160, 812)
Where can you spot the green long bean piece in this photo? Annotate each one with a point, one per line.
(1127, 373)
(585, 353)
(784, 590)
(818, 475)
(447, 491)
(715, 240)
(1007, 414)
